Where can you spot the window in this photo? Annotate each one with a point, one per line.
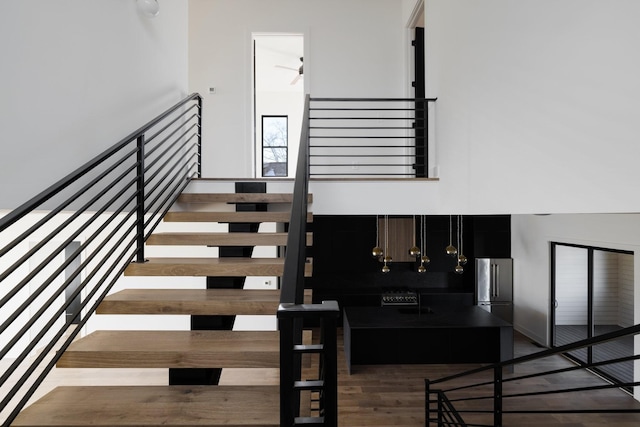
(275, 145)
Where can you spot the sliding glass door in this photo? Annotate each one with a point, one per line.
(571, 303)
(592, 294)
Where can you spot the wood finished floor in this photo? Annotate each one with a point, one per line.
(619, 348)
(393, 395)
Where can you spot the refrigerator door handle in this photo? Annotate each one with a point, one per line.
(493, 282)
(497, 282)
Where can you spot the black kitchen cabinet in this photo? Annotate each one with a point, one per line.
(344, 269)
(492, 236)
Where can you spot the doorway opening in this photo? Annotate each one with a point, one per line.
(278, 92)
(592, 294)
(417, 78)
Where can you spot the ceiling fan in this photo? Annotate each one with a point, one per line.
(299, 70)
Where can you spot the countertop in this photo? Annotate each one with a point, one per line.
(411, 317)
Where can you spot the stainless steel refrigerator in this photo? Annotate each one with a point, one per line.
(494, 286)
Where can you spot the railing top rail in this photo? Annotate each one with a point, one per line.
(631, 330)
(42, 197)
(372, 99)
(293, 274)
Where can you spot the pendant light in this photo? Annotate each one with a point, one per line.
(387, 258)
(424, 259)
(459, 269)
(462, 259)
(376, 252)
(414, 250)
(451, 250)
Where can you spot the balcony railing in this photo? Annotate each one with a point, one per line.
(370, 137)
(489, 395)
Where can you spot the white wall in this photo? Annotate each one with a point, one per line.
(536, 98)
(530, 248)
(78, 76)
(352, 48)
(537, 104)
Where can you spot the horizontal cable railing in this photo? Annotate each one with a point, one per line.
(489, 395)
(63, 250)
(369, 137)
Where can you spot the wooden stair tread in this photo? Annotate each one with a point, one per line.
(221, 239)
(238, 198)
(233, 217)
(175, 349)
(147, 406)
(194, 301)
(229, 267)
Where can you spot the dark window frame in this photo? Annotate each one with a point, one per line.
(265, 147)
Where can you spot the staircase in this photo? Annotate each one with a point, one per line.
(193, 357)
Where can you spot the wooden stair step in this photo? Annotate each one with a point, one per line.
(175, 349)
(230, 406)
(222, 239)
(228, 267)
(238, 198)
(223, 302)
(232, 217)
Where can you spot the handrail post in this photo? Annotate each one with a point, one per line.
(497, 396)
(140, 182)
(425, 160)
(287, 376)
(330, 367)
(427, 400)
(199, 137)
(440, 408)
(290, 361)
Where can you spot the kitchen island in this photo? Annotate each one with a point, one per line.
(395, 335)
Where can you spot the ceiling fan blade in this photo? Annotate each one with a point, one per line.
(286, 68)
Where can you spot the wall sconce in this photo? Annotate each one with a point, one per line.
(149, 8)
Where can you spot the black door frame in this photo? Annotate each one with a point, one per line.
(590, 299)
(420, 124)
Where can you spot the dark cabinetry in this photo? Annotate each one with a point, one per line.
(345, 271)
(492, 236)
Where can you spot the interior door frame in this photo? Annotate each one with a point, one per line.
(254, 119)
(416, 86)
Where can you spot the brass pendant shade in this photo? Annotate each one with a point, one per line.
(377, 251)
(414, 250)
(381, 251)
(451, 250)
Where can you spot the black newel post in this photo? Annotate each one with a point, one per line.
(140, 200)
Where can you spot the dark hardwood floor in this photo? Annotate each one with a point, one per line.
(393, 395)
(623, 371)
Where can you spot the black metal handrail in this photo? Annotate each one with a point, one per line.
(64, 249)
(492, 392)
(292, 314)
(369, 137)
(293, 274)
